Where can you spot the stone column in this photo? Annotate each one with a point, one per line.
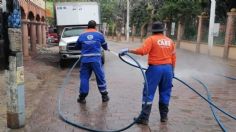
(201, 19)
(43, 27)
(15, 82)
(25, 39)
(33, 37)
(230, 32)
(39, 34)
(142, 32)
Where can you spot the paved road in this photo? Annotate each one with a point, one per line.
(187, 111)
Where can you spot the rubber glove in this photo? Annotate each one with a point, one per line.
(124, 51)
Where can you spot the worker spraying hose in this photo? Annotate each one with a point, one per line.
(209, 101)
(145, 103)
(137, 65)
(90, 43)
(161, 60)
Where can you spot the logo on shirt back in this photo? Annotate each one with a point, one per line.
(90, 37)
(164, 43)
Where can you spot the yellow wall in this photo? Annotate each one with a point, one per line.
(204, 49)
(232, 52)
(188, 46)
(217, 51)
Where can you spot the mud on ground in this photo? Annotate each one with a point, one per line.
(38, 71)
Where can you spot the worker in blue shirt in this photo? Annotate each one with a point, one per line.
(90, 43)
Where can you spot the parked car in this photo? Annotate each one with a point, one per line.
(52, 36)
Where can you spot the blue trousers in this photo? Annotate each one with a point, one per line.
(158, 76)
(85, 74)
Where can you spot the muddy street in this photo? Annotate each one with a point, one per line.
(188, 112)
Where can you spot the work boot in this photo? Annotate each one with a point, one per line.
(163, 108)
(144, 116)
(81, 98)
(105, 97)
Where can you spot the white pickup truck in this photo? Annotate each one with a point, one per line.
(72, 19)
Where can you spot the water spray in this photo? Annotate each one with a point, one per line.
(137, 65)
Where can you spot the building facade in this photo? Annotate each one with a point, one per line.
(33, 26)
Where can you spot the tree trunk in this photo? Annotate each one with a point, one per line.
(133, 33)
(149, 29)
(142, 32)
(113, 31)
(118, 30)
(180, 32)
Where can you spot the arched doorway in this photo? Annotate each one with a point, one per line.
(25, 34)
(32, 32)
(23, 15)
(44, 30)
(39, 30)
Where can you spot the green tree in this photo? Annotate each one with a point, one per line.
(143, 13)
(222, 7)
(108, 10)
(179, 9)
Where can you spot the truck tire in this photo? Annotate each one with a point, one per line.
(63, 63)
(103, 58)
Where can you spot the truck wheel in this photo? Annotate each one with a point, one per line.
(103, 60)
(103, 57)
(62, 63)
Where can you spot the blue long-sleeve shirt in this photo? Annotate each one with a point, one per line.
(90, 43)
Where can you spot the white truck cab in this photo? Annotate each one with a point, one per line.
(72, 19)
(67, 44)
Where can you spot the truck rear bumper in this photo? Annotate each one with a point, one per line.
(69, 56)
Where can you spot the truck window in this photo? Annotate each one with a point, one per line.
(71, 32)
(52, 30)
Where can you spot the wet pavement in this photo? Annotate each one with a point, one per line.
(188, 112)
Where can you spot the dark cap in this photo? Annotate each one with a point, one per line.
(157, 27)
(92, 24)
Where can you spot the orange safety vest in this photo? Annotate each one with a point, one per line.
(160, 50)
